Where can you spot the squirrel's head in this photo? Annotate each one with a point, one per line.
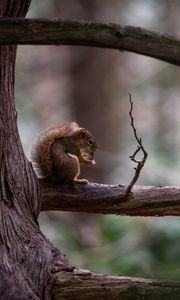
(86, 144)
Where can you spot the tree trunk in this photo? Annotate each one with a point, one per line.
(27, 259)
(29, 264)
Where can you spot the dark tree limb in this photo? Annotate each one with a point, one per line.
(109, 199)
(112, 36)
(81, 286)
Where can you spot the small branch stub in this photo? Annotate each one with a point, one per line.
(140, 163)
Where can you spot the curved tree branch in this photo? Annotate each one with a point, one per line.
(109, 199)
(80, 286)
(113, 36)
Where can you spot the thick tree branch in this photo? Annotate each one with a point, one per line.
(74, 286)
(113, 36)
(109, 199)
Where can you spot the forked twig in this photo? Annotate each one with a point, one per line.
(140, 163)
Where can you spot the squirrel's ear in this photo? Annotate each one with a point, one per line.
(82, 131)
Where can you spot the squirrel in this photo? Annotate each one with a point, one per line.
(57, 153)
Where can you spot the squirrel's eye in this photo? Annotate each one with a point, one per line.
(90, 142)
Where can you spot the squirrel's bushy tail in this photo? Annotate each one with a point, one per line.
(41, 150)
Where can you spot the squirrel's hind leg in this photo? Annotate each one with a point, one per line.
(81, 180)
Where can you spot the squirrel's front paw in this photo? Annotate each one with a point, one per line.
(89, 162)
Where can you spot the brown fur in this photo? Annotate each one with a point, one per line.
(41, 152)
(58, 152)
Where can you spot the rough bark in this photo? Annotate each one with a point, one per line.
(28, 262)
(82, 286)
(112, 36)
(109, 199)
(27, 259)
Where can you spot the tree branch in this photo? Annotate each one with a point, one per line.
(113, 36)
(139, 163)
(74, 286)
(109, 199)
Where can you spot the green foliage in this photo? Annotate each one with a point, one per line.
(147, 247)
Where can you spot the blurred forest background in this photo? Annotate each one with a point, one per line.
(55, 84)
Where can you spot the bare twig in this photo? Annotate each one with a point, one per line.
(140, 163)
